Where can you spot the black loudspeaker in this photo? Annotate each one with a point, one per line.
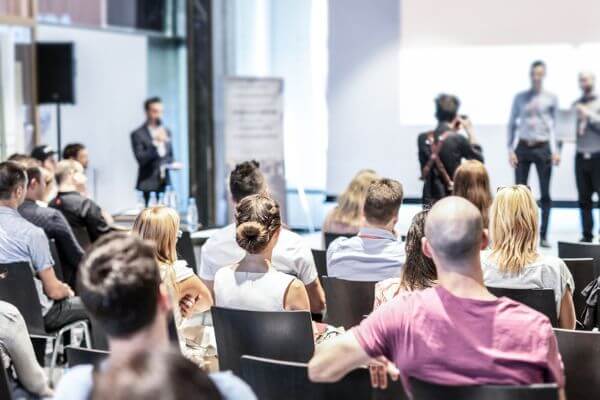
(56, 73)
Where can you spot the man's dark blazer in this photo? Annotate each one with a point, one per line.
(149, 162)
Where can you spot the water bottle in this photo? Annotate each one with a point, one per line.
(169, 197)
(174, 200)
(161, 199)
(192, 215)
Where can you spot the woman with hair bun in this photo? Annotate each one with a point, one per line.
(252, 283)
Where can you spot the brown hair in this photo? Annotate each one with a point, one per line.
(351, 202)
(119, 284)
(246, 179)
(383, 200)
(419, 270)
(472, 182)
(159, 224)
(257, 220)
(152, 374)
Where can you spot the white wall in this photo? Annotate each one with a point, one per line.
(111, 85)
(389, 59)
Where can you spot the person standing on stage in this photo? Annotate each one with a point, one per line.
(531, 139)
(587, 158)
(152, 148)
(442, 150)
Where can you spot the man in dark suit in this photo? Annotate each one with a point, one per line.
(153, 151)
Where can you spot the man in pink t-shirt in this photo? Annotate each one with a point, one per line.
(456, 333)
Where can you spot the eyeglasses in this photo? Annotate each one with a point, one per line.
(514, 187)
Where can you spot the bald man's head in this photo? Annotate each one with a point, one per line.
(454, 229)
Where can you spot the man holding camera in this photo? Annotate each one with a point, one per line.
(531, 139)
(442, 150)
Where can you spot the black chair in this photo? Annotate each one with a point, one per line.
(541, 300)
(58, 269)
(39, 348)
(17, 287)
(82, 236)
(284, 335)
(428, 391)
(79, 356)
(580, 352)
(583, 272)
(99, 337)
(273, 380)
(580, 250)
(330, 237)
(347, 301)
(5, 391)
(185, 250)
(320, 257)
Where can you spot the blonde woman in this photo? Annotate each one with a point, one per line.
(161, 225)
(472, 182)
(346, 217)
(513, 260)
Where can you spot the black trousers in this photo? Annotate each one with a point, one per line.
(541, 157)
(64, 312)
(148, 194)
(587, 176)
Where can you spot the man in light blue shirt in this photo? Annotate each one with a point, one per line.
(21, 241)
(375, 253)
(121, 288)
(532, 139)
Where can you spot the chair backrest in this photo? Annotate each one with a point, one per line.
(347, 301)
(185, 250)
(320, 257)
(58, 268)
(82, 236)
(285, 335)
(580, 352)
(39, 343)
(583, 272)
(273, 380)
(541, 300)
(580, 250)
(330, 237)
(80, 356)
(5, 390)
(18, 288)
(99, 337)
(428, 391)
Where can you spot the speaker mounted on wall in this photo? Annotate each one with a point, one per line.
(56, 73)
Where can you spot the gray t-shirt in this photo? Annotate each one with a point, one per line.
(21, 241)
(546, 272)
(77, 384)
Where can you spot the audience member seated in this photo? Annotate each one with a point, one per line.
(155, 375)
(160, 225)
(21, 241)
(456, 333)
(376, 253)
(418, 272)
(77, 152)
(82, 213)
(16, 351)
(346, 217)
(52, 222)
(121, 288)
(472, 182)
(291, 254)
(252, 283)
(513, 260)
(46, 155)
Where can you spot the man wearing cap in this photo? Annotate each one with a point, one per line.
(46, 155)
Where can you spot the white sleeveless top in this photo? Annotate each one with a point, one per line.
(255, 291)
